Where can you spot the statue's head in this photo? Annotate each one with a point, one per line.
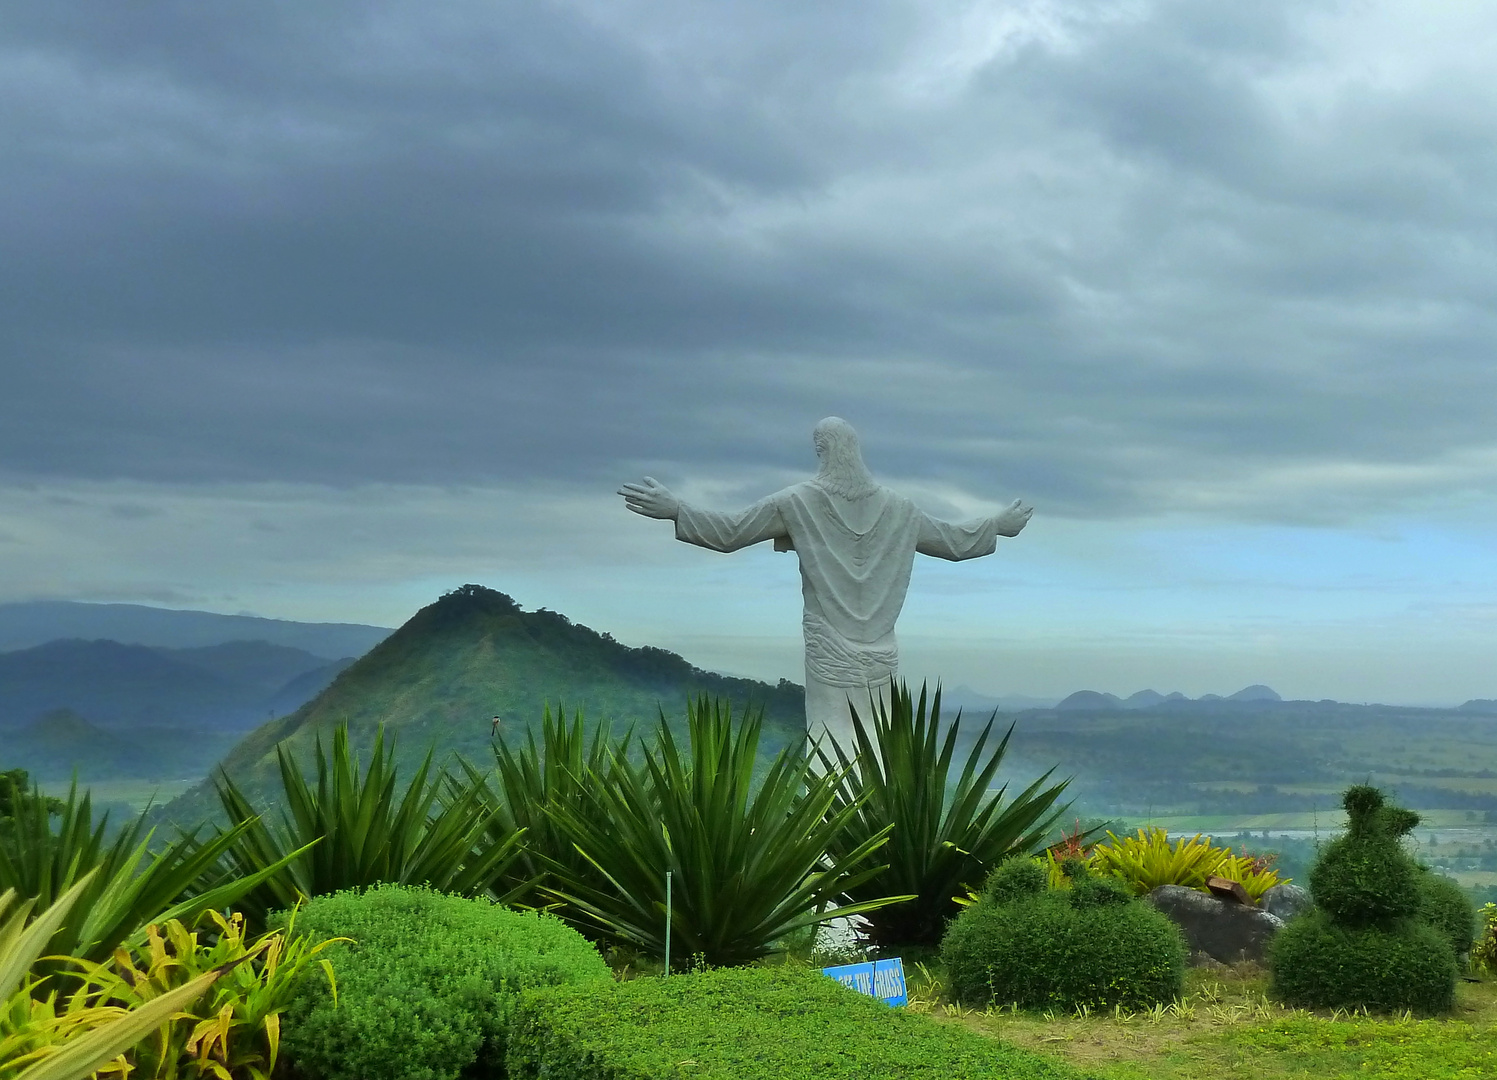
(834, 437)
(842, 470)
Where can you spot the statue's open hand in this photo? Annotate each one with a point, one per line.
(650, 498)
(1011, 520)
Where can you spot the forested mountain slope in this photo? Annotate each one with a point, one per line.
(474, 654)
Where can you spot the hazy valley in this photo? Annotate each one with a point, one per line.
(141, 721)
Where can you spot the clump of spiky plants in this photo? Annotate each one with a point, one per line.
(357, 828)
(947, 830)
(752, 858)
(533, 780)
(51, 846)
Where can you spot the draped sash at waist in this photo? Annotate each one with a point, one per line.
(837, 661)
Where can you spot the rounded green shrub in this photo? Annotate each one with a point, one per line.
(1319, 964)
(1444, 905)
(1092, 944)
(1014, 878)
(1098, 891)
(427, 986)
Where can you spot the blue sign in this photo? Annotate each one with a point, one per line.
(883, 979)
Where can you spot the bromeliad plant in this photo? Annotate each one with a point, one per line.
(898, 773)
(356, 829)
(750, 862)
(1150, 859)
(128, 884)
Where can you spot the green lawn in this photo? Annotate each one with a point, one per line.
(1226, 1029)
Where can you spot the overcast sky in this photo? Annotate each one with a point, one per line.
(319, 309)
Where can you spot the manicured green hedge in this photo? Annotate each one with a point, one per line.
(777, 1023)
(428, 985)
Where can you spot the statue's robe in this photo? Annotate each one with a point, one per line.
(855, 562)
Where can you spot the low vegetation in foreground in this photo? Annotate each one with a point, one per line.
(370, 929)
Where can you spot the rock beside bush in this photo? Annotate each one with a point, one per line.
(1092, 944)
(1216, 929)
(1287, 901)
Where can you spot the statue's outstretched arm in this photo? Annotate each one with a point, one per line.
(971, 539)
(715, 529)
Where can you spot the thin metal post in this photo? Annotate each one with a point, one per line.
(667, 924)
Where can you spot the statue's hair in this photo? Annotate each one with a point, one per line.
(842, 470)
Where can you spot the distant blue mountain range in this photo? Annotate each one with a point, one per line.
(1095, 700)
(23, 626)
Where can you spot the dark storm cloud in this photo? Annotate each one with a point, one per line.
(1124, 258)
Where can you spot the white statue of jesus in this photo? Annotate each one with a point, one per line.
(856, 541)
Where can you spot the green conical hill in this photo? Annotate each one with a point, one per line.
(474, 654)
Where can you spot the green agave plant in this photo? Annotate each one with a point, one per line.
(81, 1041)
(128, 884)
(898, 774)
(749, 863)
(533, 779)
(357, 829)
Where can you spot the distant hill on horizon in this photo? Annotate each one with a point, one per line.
(61, 744)
(474, 654)
(37, 622)
(1095, 701)
(232, 686)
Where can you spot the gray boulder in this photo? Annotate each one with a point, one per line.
(1286, 901)
(1216, 929)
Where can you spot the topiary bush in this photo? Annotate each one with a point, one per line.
(1444, 905)
(427, 987)
(1092, 944)
(1367, 945)
(1319, 963)
(1364, 877)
